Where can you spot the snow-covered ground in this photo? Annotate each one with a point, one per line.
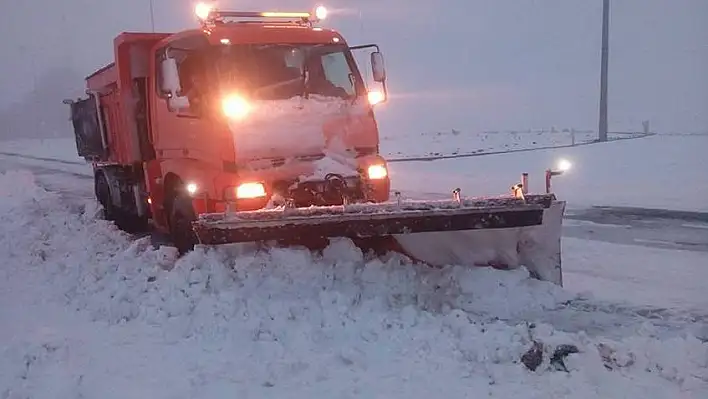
(665, 172)
(58, 154)
(63, 148)
(625, 274)
(89, 312)
(112, 322)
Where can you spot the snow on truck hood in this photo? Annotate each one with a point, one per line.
(331, 163)
(282, 128)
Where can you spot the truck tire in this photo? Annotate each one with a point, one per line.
(124, 220)
(103, 196)
(181, 217)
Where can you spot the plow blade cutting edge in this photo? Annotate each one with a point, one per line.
(503, 232)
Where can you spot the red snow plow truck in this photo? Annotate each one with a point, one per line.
(259, 127)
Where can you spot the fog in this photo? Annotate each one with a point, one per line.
(470, 65)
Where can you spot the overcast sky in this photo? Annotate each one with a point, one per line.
(464, 64)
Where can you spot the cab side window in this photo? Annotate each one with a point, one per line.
(192, 76)
(337, 72)
(191, 72)
(330, 76)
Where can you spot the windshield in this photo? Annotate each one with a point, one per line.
(274, 71)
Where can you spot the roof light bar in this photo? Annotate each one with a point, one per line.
(216, 14)
(209, 14)
(273, 14)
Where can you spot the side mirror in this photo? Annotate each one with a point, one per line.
(170, 85)
(377, 66)
(169, 82)
(177, 103)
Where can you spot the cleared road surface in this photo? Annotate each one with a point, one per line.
(657, 228)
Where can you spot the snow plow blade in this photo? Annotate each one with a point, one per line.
(470, 232)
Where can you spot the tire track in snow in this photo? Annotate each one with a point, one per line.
(607, 318)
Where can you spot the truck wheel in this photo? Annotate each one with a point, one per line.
(103, 196)
(181, 217)
(125, 221)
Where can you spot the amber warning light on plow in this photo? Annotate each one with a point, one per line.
(321, 13)
(563, 166)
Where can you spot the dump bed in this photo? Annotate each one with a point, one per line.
(112, 124)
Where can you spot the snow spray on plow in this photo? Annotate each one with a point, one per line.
(504, 232)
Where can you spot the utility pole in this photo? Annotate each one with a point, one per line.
(602, 133)
(152, 16)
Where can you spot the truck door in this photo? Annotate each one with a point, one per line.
(183, 126)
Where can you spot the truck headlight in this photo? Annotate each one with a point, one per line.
(250, 190)
(376, 97)
(235, 107)
(376, 172)
(192, 188)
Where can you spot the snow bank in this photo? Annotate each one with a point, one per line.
(285, 322)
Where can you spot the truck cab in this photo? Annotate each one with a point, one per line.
(251, 110)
